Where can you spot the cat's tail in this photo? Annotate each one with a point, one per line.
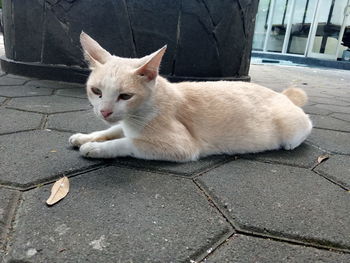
(296, 95)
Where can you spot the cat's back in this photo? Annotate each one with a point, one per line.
(224, 91)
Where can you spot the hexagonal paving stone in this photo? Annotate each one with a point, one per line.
(303, 156)
(8, 201)
(81, 121)
(14, 120)
(338, 92)
(183, 169)
(242, 249)
(341, 116)
(38, 156)
(336, 168)
(330, 101)
(54, 84)
(282, 200)
(328, 122)
(18, 77)
(343, 99)
(334, 141)
(24, 91)
(8, 81)
(118, 215)
(73, 92)
(334, 108)
(315, 110)
(315, 91)
(49, 104)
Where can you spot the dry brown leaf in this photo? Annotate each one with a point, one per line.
(322, 158)
(58, 191)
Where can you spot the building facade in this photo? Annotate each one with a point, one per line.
(307, 28)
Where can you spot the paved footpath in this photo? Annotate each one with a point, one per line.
(276, 206)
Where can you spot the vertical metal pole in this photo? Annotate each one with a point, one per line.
(289, 27)
(312, 31)
(325, 37)
(305, 11)
(269, 24)
(285, 11)
(342, 29)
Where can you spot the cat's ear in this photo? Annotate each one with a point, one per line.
(151, 67)
(94, 54)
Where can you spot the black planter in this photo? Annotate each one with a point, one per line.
(207, 39)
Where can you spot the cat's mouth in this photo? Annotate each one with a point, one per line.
(111, 119)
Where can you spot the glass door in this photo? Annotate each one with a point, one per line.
(328, 28)
(301, 23)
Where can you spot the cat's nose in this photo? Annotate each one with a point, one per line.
(106, 113)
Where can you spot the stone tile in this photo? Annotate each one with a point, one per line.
(328, 122)
(38, 156)
(7, 197)
(184, 169)
(8, 81)
(282, 200)
(338, 92)
(24, 91)
(8, 200)
(54, 84)
(276, 86)
(334, 108)
(312, 91)
(336, 168)
(117, 215)
(331, 101)
(341, 116)
(343, 99)
(303, 156)
(334, 141)
(81, 121)
(49, 104)
(242, 249)
(18, 77)
(315, 110)
(73, 92)
(14, 121)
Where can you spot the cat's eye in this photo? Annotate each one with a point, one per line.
(96, 91)
(125, 96)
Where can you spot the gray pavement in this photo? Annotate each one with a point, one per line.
(279, 206)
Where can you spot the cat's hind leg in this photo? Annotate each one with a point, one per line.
(298, 137)
(113, 132)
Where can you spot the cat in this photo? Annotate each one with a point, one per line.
(152, 118)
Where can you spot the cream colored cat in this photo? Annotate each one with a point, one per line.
(154, 119)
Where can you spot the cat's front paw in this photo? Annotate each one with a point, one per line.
(92, 150)
(78, 139)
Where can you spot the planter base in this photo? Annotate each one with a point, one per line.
(78, 75)
(207, 40)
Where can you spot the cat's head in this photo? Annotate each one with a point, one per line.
(119, 87)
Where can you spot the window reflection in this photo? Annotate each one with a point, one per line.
(280, 19)
(301, 25)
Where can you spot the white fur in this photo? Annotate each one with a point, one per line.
(110, 149)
